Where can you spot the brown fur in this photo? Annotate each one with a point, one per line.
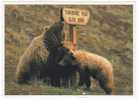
(35, 54)
(32, 64)
(92, 61)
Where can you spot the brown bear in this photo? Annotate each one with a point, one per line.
(92, 65)
(59, 74)
(32, 64)
(62, 76)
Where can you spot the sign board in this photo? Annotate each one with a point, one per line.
(76, 16)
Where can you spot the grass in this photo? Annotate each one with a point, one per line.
(109, 33)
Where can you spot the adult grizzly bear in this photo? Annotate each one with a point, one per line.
(32, 63)
(92, 65)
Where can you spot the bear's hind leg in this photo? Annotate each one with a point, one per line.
(87, 80)
(82, 78)
(23, 78)
(104, 84)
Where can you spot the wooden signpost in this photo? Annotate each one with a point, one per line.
(75, 17)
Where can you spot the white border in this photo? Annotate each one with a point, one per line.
(74, 2)
(84, 2)
(2, 48)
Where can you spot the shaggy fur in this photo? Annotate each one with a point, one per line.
(96, 66)
(54, 56)
(53, 37)
(62, 72)
(67, 64)
(32, 64)
(93, 65)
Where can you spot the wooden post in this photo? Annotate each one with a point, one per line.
(66, 42)
(72, 30)
(74, 41)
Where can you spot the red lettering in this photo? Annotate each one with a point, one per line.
(80, 20)
(71, 19)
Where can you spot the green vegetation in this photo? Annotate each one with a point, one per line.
(109, 33)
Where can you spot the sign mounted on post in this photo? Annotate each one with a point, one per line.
(76, 16)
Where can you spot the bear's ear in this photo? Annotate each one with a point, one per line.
(71, 55)
(45, 28)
